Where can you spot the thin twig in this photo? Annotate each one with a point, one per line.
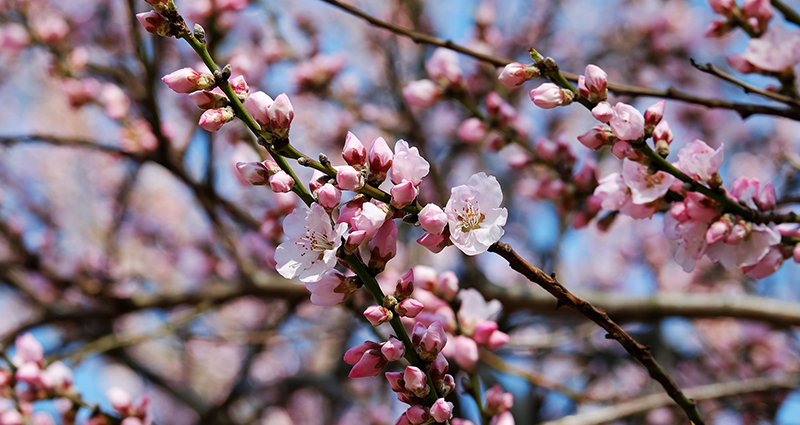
(615, 332)
(748, 88)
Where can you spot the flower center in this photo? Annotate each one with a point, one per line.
(314, 241)
(470, 216)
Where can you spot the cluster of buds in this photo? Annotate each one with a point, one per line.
(43, 381)
(755, 13)
(446, 77)
(266, 172)
(158, 21)
(369, 358)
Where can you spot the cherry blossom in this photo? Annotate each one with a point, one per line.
(474, 215)
(311, 249)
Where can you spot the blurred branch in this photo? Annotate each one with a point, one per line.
(659, 306)
(615, 332)
(654, 401)
(744, 109)
(498, 363)
(712, 70)
(787, 12)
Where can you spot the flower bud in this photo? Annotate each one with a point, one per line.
(329, 196)
(596, 82)
(421, 94)
(187, 80)
(383, 246)
(254, 173)
(441, 410)
(472, 130)
(393, 350)
(718, 231)
(154, 23)
(405, 285)
(603, 112)
(409, 307)
(348, 178)
(281, 182)
(214, 119)
(240, 87)
(403, 194)
(354, 152)
(549, 96)
(380, 159)
(208, 99)
(654, 114)
(377, 314)
(516, 73)
(595, 138)
(416, 381)
(434, 243)
(627, 123)
(258, 104)
(281, 114)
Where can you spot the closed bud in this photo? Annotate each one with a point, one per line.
(380, 159)
(403, 194)
(281, 182)
(354, 152)
(377, 314)
(214, 119)
(154, 23)
(187, 80)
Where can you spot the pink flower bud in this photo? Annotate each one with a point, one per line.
(663, 133)
(318, 179)
(439, 368)
(627, 123)
(328, 290)
(329, 196)
(354, 153)
(483, 331)
(383, 246)
(281, 182)
(766, 199)
(723, 7)
(405, 285)
(348, 178)
(254, 173)
(758, 10)
(258, 104)
(768, 265)
(433, 219)
(594, 138)
(472, 130)
(622, 149)
(239, 86)
(516, 73)
(737, 234)
(596, 81)
(409, 307)
(281, 113)
(187, 80)
(208, 99)
(120, 400)
(356, 238)
(57, 376)
(354, 354)
(429, 341)
(448, 285)
(393, 350)
(443, 67)
(466, 352)
(370, 364)
(718, 231)
(603, 112)
(497, 339)
(497, 400)
(380, 159)
(154, 23)
(441, 410)
(654, 114)
(214, 119)
(29, 350)
(29, 372)
(417, 415)
(403, 194)
(377, 314)
(395, 381)
(416, 381)
(434, 243)
(421, 94)
(548, 96)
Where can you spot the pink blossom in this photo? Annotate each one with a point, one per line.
(465, 351)
(329, 290)
(383, 246)
(612, 191)
(654, 114)
(699, 161)
(312, 245)
(746, 190)
(718, 231)
(348, 178)
(596, 137)
(504, 418)
(214, 119)
(120, 400)
(377, 314)
(48, 25)
(645, 187)
(329, 196)
(258, 104)
(369, 218)
(417, 415)
(29, 372)
(409, 307)
(603, 112)
(281, 182)
(472, 130)
(662, 132)
(627, 123)
(435, 243)
(154, 23)
(57, 376)
(354, 152)
(416, 381)
(187, 80)
(448, 285)
(474, 309)
(239, 86)
(13, 37)
(759, 11)
(549, 95)
(422, 93)
(370, 363)
(515, 73)
(596, 83)
(281, 114)
(209, 99)
(116, 102)
(768, 264)
(487, 334)
(405, 285)
(380, 159)
(11, 417)
(403, 194)
(433, 219)
(776, 50)
(723, 7)
(443, 67)
(428, 341)
(498, 401)
(28, 350)
(441, 410)
(393, 350)
(474, 214)
(748, 251)
(408, 165)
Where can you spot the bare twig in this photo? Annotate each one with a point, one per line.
(634, 348)
(748, 88)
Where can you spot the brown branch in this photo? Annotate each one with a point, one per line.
(654, 401)
(712, 70)
(744, 109)
(634, 348)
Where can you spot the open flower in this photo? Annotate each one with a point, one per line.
(312, 245)
(474, 214)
